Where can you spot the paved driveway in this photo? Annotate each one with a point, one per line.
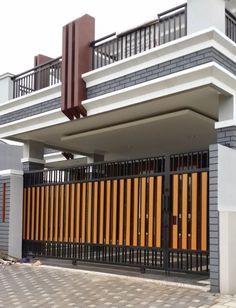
(45, 286)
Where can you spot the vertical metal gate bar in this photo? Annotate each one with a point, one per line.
(166, 214)
(28, 208)
(24, 213)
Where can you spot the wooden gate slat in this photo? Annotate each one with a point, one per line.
(28, 213)
(41, 233)
(37, 215)
(128, 211)
(194, 212)
(78, 216)
(61, 212)
(32, 214)
(89, 213)
(121, 213)
(143, 211)
(72, 212)
(204, 212)
(56, 213)
(175, 234)
(135, 214)
(46, 213)
(114, 212)
(159, 211)
(184, 211)
(83, 213)
(95, 213)
(108, 211)
(101, 215)
(51, 205)
(150, 212)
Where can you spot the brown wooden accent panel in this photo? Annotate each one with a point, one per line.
(158, 211)
(204, 211)
(150, 211)
(77, 215)
(184, 211)
(95, 213)
(51, 207)
(135, 214)
(32, 213)
(108, 211)
(28, 213)
(41, 233)
(56, 213)
(76, 60)
(83, 213)
(101, 214)
(143, 212)
(175, 231)
(121, 213)
(37, 213)
(61, 212)
(72, 212)
(89, 203)
(46, 213)
(128, 211)
(24, 213)
(67, 200)
(194, 212)
(114, 212)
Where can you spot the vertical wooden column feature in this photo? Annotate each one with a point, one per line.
(32, 214)
(72, 212)
(51, 216)
(175, 232)
(78, 217)
(194, 212)
(128, 211)
(143, 212)
(83, 213)
(56, 213)
(61, 212)
(46, 213)
(24, 213)
(185, 211)
(89, 222)
(101, 214)
(28, 213)
(158, 211)
(135, 214)
(114, 212)
(76, 60)
(41, 214)
(150, 212)
(204, 212)
(67, 199)
(108, 211)
(95, 213)
(121, 213)
(37, 213)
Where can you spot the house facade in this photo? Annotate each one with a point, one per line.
(146, 121)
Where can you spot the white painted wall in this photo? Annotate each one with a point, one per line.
(203, 14)
(6, 87)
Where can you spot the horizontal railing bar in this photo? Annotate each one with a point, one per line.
(230, 15)
(172, 10)
(102, 39)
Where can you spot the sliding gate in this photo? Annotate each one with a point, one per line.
(148, 213)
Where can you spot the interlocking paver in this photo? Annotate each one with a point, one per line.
(44, 286)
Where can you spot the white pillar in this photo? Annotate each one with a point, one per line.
(6, 87)
(203, 14)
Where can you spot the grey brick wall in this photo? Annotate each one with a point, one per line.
(166, 68)
(227, 136)
(4, 226)
(29, 166)
(213, 219)
(30, 111)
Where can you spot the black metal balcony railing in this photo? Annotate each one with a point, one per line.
(230, 25)
(37, 78)
(169, 25)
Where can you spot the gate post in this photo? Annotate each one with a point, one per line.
(166, 214)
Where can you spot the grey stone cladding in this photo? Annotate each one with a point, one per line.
(4, 226)
(28, 166)
(166, 68)
(227, 136)
(30, 111)
(213, 219)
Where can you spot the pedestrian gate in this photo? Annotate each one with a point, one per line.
(148, 213)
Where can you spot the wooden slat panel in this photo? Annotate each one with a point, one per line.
(28, 213)
(128, 211)
(175, 234)
(184, 211)
(32, 213)
(114, 212)
(56, 213)
(158, 211)
(72, 212)
(143, 212)
(24, 213)
(150, 212)
(77, 227)
(135, 217)
(204, 212)
(108, 211)
(41, 214)
(61, 212)
(121, 213)
(89, 222)
(101, 215)
(46, 213)
(83, 213)
(37, 213)
(194, 212)
(95, 213)
(67, 198)
(51, 207)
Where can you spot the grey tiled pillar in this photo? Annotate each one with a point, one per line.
(33, 156)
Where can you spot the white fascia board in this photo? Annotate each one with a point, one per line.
(31, 99)
(38, 121)
(206, 74)
(191, 43)
(9, 172)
